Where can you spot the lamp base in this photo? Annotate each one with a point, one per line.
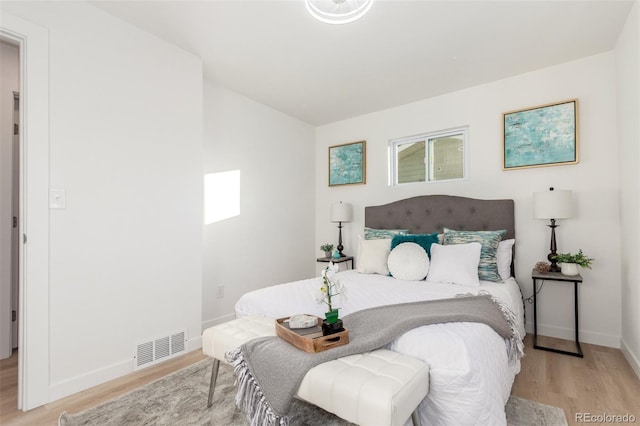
(554, 266)
(340, 247)
(552, 256)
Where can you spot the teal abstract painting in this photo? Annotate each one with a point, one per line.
(541, 136)
(347, 164)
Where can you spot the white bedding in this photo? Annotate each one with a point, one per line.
(471, 376)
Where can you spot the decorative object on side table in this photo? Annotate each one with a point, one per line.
(330, 288)
(341, 212)
(569, 262)
(327, 249)
(553, 205)
(543, 267)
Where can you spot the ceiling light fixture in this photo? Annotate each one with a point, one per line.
(338, 11)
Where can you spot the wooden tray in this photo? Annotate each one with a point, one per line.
(310, 340)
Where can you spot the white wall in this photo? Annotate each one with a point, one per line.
(272, 240)
(595, 228)
(126, 145)
(9, 83)
(627, 55)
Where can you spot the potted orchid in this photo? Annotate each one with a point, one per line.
(330, 288)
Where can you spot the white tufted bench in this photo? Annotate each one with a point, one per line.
(381, 387)
(222, 338)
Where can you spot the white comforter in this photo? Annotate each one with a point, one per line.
(471, 376)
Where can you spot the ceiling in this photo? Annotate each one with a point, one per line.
(401, 51)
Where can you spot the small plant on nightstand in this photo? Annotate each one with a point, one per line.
(327, 248)
(568, 262)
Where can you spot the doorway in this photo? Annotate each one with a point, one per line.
(33, 213)
(9, 209)
(9, 195)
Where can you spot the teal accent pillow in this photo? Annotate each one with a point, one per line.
(382, 234)
(423, 240)
(488, 266)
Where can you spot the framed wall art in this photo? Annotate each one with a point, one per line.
(347, 164)
(545, 135)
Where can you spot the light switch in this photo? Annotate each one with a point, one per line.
(57, 198)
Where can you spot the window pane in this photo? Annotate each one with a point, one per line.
(411, 167)
(446, 157)
(221, 196)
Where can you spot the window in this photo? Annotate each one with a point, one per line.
(221, 196)
(429, 157)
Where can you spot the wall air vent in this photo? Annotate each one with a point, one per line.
(160, 349)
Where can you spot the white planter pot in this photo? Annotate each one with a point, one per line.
(569, 268)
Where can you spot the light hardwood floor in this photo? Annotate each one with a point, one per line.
(48, 414)
(601, 383)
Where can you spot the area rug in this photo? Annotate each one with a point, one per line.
(181, 399)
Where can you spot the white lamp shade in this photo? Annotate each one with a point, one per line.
(557, 204)
(341, 212)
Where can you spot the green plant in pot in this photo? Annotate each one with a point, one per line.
(569, 262)
(330, 289)
(327, 249)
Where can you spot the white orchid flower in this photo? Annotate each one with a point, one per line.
(320, 295)
(328, 288)
(331, 269)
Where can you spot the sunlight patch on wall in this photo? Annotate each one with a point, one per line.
(221, 196)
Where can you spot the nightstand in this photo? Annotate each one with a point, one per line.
(558, 277)
(338, 260)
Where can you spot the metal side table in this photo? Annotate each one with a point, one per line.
(556, 276)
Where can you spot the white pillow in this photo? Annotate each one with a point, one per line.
(409, 262)
(503, 258)
(455, 264)
(372, 256)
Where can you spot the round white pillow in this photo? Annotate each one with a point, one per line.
(408, 262)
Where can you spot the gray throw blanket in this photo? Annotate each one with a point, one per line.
(269, 370)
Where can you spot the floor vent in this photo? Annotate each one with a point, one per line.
(157, 350)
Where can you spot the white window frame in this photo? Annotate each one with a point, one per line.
(426, 137)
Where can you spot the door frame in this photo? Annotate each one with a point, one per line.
(34, 343)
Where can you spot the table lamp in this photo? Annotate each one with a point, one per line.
(341, 212)
(553, 204)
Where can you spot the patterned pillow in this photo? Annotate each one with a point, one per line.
(423, 240)
(380, 234)
(488, 266)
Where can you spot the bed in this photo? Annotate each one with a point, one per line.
(471, 372)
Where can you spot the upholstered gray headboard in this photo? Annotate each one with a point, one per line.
(431, 213)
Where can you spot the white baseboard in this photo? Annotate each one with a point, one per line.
(96, 377)
(632, 359)
(194, 344)
(586, 336)
(216, 321)
(79, 383)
